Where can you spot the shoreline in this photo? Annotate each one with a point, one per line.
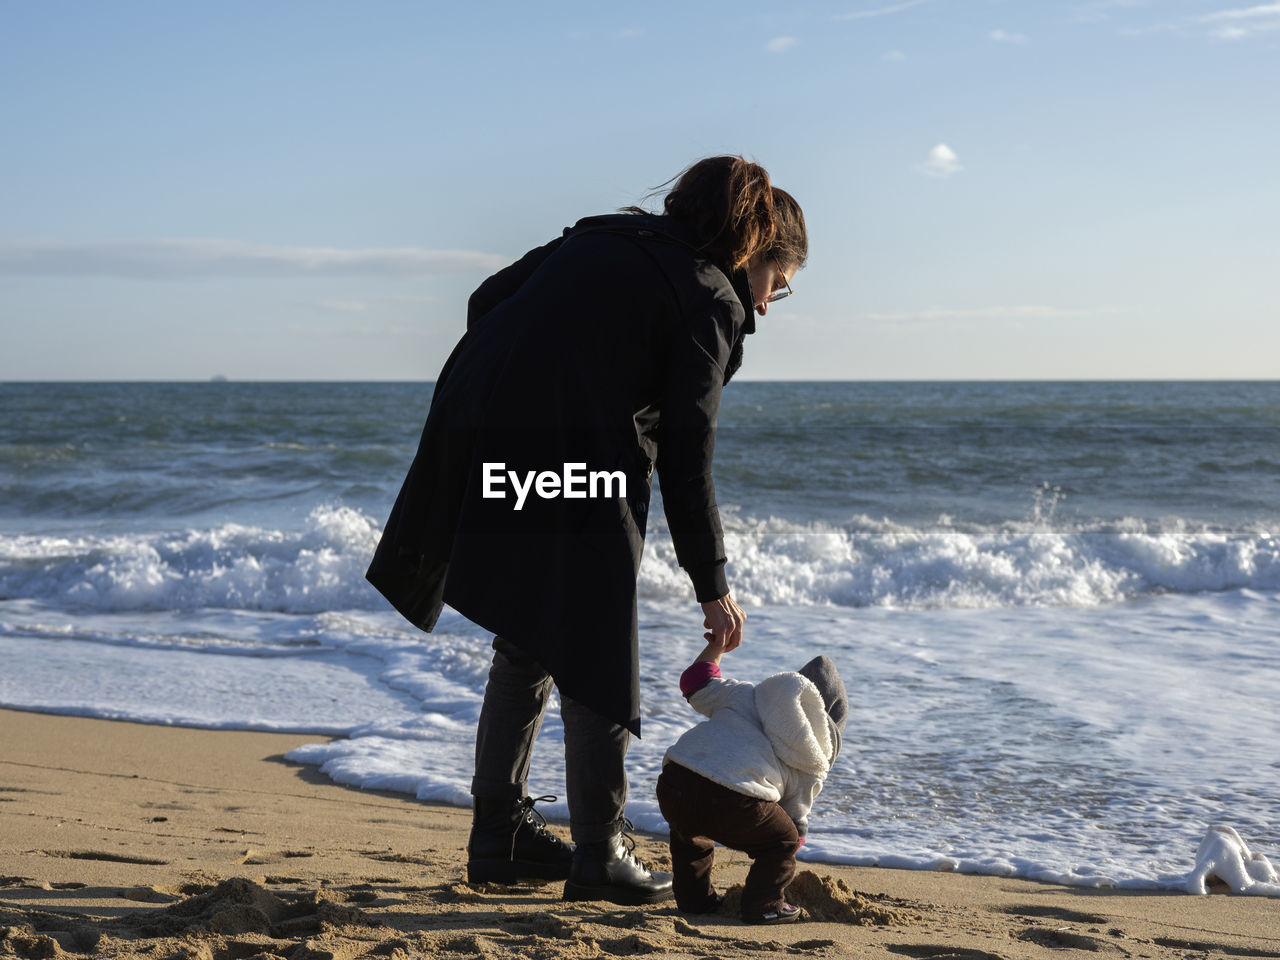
(310, 771)
(118, 838)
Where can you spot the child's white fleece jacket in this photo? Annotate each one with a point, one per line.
(771, 741)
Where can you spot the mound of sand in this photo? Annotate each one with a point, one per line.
(833, 900)
(830, 898)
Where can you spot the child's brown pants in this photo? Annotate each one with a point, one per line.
(702, 813)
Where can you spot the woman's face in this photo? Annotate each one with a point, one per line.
(767, 277)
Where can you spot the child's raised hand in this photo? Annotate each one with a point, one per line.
(711, 653)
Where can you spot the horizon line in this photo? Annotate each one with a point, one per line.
(300, 380)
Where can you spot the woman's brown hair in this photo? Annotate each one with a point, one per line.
(736, 213)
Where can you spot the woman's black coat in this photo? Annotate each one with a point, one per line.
(607, 347)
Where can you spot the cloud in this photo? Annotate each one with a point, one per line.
(173, 259)
(1246, 13)
(1242, 22)
(894, 56)
(880, 11)
(1022, 312)
(781, 44)
(1003, 36)
(1231, 24)
(941, 162)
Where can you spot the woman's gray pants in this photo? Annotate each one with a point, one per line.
(594, 748)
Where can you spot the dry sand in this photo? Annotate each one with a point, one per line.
(121, 840)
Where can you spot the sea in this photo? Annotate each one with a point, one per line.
(1055, 605)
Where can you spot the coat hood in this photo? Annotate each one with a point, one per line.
(795, 721)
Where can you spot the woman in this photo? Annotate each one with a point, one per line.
(585, 364)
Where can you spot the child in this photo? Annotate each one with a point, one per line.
(747, 777)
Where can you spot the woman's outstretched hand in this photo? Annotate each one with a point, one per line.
(724, 620)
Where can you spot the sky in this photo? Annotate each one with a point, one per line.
(995, 189)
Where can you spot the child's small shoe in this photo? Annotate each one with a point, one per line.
(783, 913)
(710, 905)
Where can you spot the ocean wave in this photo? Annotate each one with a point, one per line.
(861, 563)
(879, 563)
(231, 566)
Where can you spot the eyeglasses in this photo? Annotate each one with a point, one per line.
(780, 294)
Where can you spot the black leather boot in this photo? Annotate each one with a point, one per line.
(510, 841)
(608, 870)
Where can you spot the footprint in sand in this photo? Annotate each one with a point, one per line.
(104, 856)
(259, 858)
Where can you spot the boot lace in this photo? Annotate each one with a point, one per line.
(534, 818)
(629, 842)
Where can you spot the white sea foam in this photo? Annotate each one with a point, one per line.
(858, 564)
(1224, 856)
(231, 566)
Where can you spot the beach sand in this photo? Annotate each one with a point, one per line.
(124, 840)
